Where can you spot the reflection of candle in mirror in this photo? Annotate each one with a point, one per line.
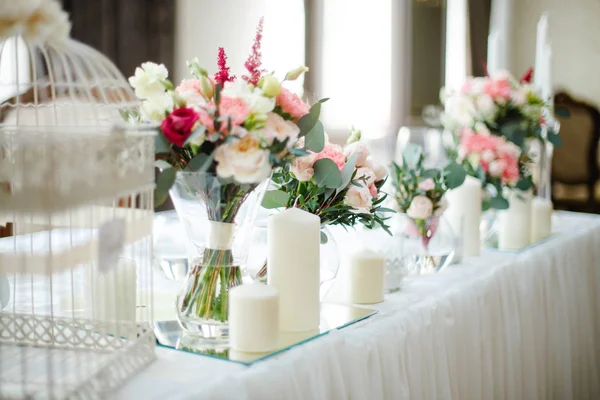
(245, 357)
(287, 339)
(366, 277)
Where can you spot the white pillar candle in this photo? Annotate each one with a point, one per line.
(514, 231)
(541, 219)
(253, 318)
(541, 40)
(113, 296)
(293, 237)
(464, 214)
(366, 276)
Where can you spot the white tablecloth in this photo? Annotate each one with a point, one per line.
(501, 326)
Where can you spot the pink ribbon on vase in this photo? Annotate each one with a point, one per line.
(430, 228)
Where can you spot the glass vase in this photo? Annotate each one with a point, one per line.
(329, 258)
(217, 218)
(428, 245)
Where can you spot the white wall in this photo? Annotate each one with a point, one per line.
(574, 27)
(202, 26)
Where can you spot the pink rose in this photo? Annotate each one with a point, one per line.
(302, 168)
(373, 190)
(420, 208)
(179, 125)
(427, 184)
(278, 128)
(333, 152)
(360, 199)
(360, 150)
(292, 104)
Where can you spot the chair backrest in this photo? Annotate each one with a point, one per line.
(576, 161)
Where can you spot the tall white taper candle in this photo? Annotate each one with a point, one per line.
(514, 231)
(464, 214)
(253, 318)
(293, 238)
(493, 56)
(547, 91)
(541, 40)
(366, 277)
(541, 219)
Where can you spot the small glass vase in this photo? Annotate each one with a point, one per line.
(329, 259)
(428, 245)
(217, 218)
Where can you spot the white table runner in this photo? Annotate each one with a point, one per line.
(513, 326)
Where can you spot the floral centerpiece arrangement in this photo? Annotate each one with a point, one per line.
(220, 139)
(341, 185)
(494, 120)
(419, 192)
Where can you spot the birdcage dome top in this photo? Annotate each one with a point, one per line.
(50, 80)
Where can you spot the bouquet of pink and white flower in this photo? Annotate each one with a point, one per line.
(341, 185)
(219, 138)
(493, 120)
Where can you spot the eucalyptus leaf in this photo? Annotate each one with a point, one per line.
(499, 203)
(161, 144)
(324, 238)
(347, 172)
(455, 175)
(328, 193)
(327, 173)
(524, 184)
(315, 138)
(555, 139)
(412, 155)
(166, 179)
(160, 197)
(514, 132)
(275, 199)
(308, 121)
(430, 173)
(195, 135)
(162, 165)
(200, 162)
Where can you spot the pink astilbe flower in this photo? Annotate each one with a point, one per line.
(222, 75)
(335, 153)
(254, 62)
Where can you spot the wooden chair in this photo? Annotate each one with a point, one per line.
(575, 169)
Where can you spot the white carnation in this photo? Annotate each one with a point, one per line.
(148, 80)
(156, 108)
(485, 106)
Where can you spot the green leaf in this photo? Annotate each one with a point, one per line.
(200, 162)
(165, 180)
(347, 172)
(195, 135)
(499, 203)
(327, 173)
(328, 193)
(555, 139)
(454, 175)
(315, 138)
(160, 197)
(524, 184)
(514, 132)
(323, 100)
(324, 238)
(307, 122)
(161, 144)
(412, 155)
(162, 165)
(275, 199)
(430, 173)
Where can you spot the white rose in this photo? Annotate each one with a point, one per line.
(360, 149)
(365, 176)
(488, 156)
(460, 109)
(148, 80)
(519, 97)
(257, 102)
(359, 198)
(496, 168)
(420, 208)
(243, 160)
(302, 168)
(485, 105)
(50, 25)
(379, 170)
(156, 107)
(278, 128)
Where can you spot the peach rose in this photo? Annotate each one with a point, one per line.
(278, 128)
(427, 184)
(379, 170)
(360, 149)
(420, 208)
(360, 199)
(302, 168)
(243, 160)
(365, 176)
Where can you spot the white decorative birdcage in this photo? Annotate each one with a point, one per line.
(76, 190)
